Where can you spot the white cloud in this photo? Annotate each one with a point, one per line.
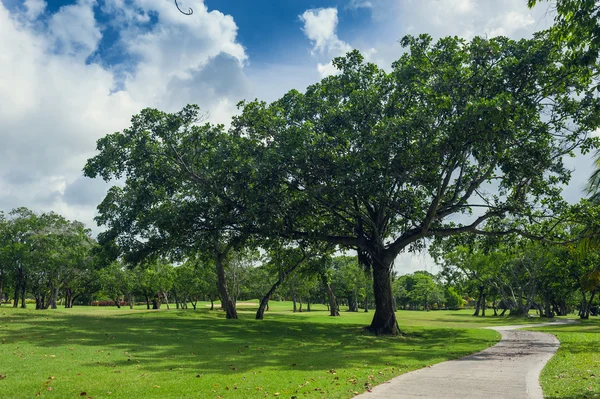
(508, 23)
(74, 31)
(355, 4)
(326, 69)
(57, 104)
(35, 8)
(320, 27)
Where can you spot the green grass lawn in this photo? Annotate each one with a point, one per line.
(120, 353)
(574, 372)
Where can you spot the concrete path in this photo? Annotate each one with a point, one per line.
(510, 369)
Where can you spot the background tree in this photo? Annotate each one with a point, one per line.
(114, 282)
(185, 190)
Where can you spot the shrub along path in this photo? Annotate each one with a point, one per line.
(510, 369)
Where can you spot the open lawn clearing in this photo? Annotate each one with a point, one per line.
(574, 372)
(122, 353)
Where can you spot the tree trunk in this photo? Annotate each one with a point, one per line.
(16, 296)
(483, 305)
(293, 294)
(1, 288)
(23, 292)
(333, 306)
(38, 302)
(384, 319)
(548, 308)
(352, 303)
(147, 302)
(68, 296)
(227, 302)
(156, 302)
(264, 302)
(478, 304)
(212, 304)
(54, 299)
(166, 300)
(586, 306)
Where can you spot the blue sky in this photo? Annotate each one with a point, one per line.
(270, 31)
(74, 71)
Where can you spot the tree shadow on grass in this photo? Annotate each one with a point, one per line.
(582, 394)
(207, 343)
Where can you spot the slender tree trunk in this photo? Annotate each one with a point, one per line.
(68, 298)
(548, 308)
(308, 304)
(586, 305)
(483, 305)
(166, 300)
(156, 302)
(212, 303)
(227, 302)
(264, 302)
(16, 296)
(23, 293)
(333, 305)
(293, 294)
(147, 302)
(54, 293)
(1, 288)
(478, 304)
(352, 303)
(384, 319)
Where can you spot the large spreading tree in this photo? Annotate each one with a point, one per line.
(458, 134)
(185, 191)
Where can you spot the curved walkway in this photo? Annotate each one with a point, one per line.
(510, 369)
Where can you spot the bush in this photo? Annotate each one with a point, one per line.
(108, 303)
